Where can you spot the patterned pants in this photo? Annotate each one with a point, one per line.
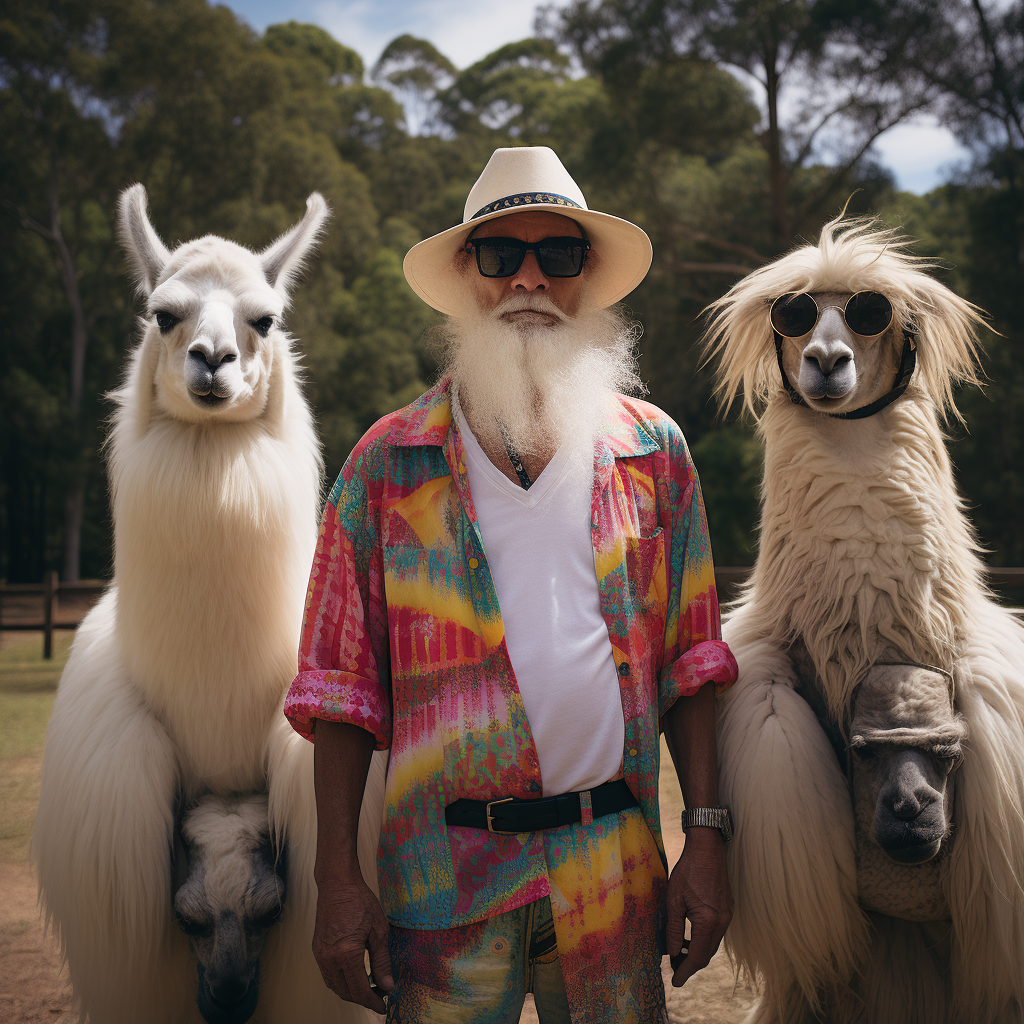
(479, 973)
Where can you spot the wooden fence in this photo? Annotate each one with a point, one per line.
(44, 597)
(84, 593)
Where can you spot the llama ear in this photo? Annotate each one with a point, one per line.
(146, 253)
(283, 259)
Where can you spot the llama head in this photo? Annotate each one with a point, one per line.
(229, 887)
(833, 369)
(905, 739)
(213, 311)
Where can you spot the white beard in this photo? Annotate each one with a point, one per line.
(540, 384)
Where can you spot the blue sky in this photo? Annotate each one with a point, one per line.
(465, 30)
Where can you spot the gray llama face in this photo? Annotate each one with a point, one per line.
(833, 368)
(906, 740)
(228, 891)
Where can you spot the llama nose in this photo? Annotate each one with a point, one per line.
(827, 357)
(227, 973)
(211, 358)
(909, 802)
(907, 807)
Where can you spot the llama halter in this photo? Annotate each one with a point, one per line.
(908, 361)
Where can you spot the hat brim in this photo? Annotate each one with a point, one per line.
(623, 258)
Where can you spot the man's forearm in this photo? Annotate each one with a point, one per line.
(698, 887)
(690, 733)
(341, 760)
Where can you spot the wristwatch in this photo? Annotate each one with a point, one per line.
(711, 817)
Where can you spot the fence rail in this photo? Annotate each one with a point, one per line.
(728, 579)
(45, 596)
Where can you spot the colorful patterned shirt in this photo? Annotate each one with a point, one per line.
(403, 637)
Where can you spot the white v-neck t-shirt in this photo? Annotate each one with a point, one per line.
(541, 556)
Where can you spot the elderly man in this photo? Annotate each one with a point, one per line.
(513, 591)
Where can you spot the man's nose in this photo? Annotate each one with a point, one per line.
(529, 277)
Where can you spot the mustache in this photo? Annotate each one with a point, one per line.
(532, 302)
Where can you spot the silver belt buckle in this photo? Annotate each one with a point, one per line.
(490, 818)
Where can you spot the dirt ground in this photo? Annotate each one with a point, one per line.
(33, 988)
(31, 985)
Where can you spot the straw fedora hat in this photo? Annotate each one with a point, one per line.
(531, 178)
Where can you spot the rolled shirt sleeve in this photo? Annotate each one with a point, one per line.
(696, 653)
(343, 672)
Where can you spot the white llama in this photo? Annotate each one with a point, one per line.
(865, 558)
(175, 682)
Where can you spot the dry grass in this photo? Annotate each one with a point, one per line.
(31, 986)
(28, 685)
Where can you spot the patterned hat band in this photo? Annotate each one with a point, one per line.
(525, 199)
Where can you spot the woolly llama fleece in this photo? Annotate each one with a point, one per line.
(870, 655)
(175, 683)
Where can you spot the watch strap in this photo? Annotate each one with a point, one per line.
(709, 817)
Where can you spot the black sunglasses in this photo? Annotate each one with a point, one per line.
(556, 257)
(796, 313)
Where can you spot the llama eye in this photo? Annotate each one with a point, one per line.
(269, 918)
(865, 753)
(190, 926)
(263, 325)
(165, 321)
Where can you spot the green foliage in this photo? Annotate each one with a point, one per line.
(365, 354)
(230, 131)
(417, 72)
(730, 463)
(411, 63)
(310, 45)
(974, 232)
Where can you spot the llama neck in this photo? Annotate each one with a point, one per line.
(865, 552)
(214, 532)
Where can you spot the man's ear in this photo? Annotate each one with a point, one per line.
(283, 260)
(146, 253)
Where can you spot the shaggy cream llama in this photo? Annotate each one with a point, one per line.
(865, 557)
(176, 678)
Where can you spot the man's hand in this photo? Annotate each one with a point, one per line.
(698, 889)
(349, 920)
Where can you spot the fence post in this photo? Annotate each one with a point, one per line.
(49, 600)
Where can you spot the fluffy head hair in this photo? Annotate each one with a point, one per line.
(851, 255)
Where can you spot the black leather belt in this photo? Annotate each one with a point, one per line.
(510, 815)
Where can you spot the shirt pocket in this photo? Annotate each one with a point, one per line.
(647, 581)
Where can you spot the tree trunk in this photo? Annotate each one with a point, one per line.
(74, 503)
(75, 498)
(779, 210)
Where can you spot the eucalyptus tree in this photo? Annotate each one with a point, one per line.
(824, 104)
(416, 71)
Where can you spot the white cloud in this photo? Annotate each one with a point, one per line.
(921, 154)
